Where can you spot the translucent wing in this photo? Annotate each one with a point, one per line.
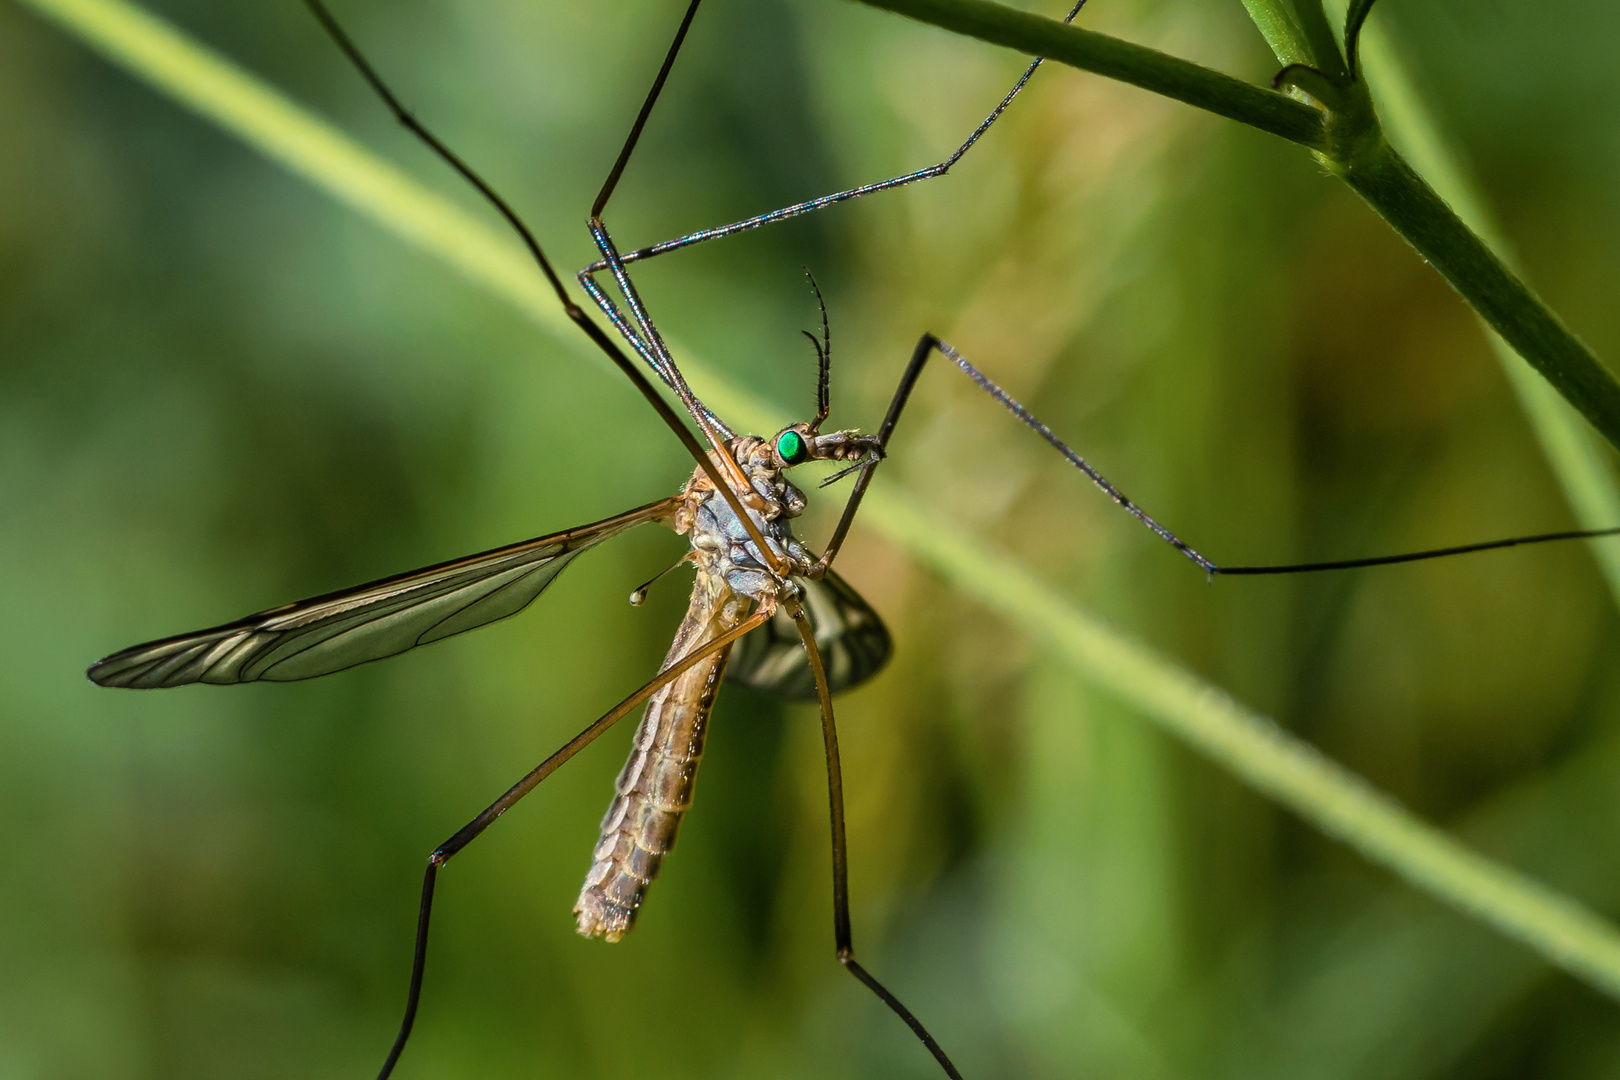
(853, 641)
(342, 629)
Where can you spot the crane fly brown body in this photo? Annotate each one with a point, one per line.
(734, 592)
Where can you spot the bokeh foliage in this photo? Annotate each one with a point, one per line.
(222, 391)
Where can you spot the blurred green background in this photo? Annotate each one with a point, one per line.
(220, 391)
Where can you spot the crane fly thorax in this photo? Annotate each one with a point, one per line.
(720, 541)
(721, 546)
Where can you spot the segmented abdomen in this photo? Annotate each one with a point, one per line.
(655, 786)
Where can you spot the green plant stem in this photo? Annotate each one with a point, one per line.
(1576, 456)
(1350, 144)
(1252, 747)
(1150, 69)
(1298, 33)
(1467, 248)
(1390, 186)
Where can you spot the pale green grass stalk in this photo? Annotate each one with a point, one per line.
(1246, 743)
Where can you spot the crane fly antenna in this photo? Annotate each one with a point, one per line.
(573, 310)
(823, 357)
(821, 380)
(630, 141)
(822, 402)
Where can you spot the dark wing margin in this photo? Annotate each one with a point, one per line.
(342, 629)
(853, 641)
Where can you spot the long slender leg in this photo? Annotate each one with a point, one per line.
(643, 336)
(1073, 458)
(575, 313)
(938, 169)
(840, 858)
(902, 394)
(630, 141)
(648, 340)
(1029, 420)
(470, 832)
(928, 344)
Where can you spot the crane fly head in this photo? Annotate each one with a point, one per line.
(799, 443)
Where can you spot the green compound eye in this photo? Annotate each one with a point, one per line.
(791, 446)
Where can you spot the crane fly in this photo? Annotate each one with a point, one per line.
(765, 611)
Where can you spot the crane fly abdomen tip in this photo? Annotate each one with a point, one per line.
(601, 918)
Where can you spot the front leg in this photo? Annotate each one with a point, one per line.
(876, 448)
